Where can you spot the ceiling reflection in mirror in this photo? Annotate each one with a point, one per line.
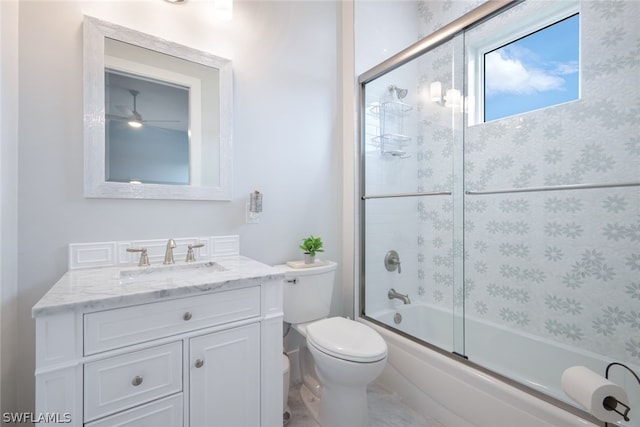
(147, 138)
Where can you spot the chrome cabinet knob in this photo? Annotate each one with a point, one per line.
(137, 380)
(199, 363)
(187, 316)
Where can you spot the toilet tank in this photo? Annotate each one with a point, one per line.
(308, 291)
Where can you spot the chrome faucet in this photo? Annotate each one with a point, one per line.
(393, 294)
(168, 254)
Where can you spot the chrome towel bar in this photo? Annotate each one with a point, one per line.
(386, 196)
(553, 188)
(509, 190)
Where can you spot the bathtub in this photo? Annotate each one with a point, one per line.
(461, 393)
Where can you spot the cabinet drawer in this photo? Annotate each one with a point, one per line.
(121, 382)
(165, 412)
(106, 330)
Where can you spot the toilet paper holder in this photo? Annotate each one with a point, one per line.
(611, 403)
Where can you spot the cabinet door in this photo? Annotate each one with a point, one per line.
(225, 378)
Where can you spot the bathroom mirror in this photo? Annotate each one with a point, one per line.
(157, 117)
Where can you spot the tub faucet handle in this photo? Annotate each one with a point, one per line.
(392, 261)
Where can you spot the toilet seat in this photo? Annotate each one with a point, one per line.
(347, 339)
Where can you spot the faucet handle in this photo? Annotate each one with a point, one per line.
(144, 258)
(392, 261)
(190, 256)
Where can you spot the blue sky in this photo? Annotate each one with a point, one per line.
(536, 71)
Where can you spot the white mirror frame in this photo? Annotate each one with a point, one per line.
(95, 185)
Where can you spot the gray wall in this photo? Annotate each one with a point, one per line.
(287, 144)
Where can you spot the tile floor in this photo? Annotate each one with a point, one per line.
(385, 410)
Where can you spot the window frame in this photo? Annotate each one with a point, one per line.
(476, 53)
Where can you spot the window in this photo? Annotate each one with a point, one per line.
(536, 71)
(532, 67)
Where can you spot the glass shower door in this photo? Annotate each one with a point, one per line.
(511, 238)
(552, 202)
(411, 256)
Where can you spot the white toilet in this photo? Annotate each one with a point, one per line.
(341, 356)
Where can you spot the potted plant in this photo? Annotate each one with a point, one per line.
(311, 245)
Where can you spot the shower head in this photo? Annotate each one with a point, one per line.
(400, 93)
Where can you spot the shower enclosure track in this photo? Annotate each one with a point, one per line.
(553, 188)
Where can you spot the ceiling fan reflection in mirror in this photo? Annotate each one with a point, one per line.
(133, 117)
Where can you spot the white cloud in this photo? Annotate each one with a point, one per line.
(510, 75)
(566, 68)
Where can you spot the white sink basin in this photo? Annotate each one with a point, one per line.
(170, 272)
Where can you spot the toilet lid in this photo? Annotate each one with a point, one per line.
(347, 339)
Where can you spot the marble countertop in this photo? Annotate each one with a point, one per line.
(107, 287)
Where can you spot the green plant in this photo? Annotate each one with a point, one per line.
(310, 245)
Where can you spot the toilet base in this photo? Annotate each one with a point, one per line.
(344, 407)
(347, 409)
(334, 390)
(343, 401)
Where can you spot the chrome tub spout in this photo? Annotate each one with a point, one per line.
(393, 294)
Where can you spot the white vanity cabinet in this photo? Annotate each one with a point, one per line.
(224, 376)
(201, 356)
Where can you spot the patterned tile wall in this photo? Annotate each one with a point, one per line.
(563, 265)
